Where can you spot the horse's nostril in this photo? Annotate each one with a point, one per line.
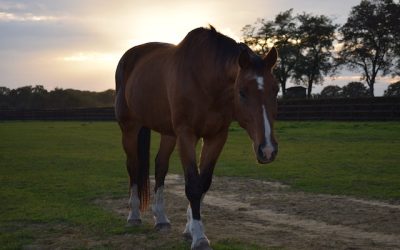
(261, 151)
(273, 155)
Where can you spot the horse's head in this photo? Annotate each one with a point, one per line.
(255, 101)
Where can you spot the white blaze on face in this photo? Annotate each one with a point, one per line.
(267, 127)
(267, 133)
(260, 82)
(269, 148)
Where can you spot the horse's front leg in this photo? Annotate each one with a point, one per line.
(167, 145)
(210, 152)
(198, 182)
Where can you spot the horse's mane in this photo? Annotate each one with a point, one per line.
(209, 39)
(206, 47)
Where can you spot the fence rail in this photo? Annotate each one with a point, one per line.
(363, 109)
(343, 109)
(80, 114)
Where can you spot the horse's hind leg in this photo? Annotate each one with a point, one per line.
(167, 145)
(130, 132)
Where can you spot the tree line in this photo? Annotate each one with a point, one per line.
(38, 97)
(355, 90)
(312, 47)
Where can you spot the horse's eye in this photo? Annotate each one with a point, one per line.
(242, 95)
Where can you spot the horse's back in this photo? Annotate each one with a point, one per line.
(141, 85)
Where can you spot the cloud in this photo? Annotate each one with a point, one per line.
(22, 36)
(35, 25)
(9, 17)
(11, 6)
(26, 11)
(91, 57)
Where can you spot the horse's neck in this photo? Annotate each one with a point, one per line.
(222, 82)
(232, 71)
(221, 89)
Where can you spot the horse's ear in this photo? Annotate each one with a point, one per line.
(244, 59)
(271, 58)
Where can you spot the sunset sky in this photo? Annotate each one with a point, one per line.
(77, 43)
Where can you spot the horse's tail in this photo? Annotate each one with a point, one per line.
(143, 181)
(124, 67)
(119, 76)
(120, 105)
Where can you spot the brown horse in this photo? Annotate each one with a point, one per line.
(186, 92)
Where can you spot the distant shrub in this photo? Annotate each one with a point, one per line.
(331, 91)
(393, 89)
(355, 89)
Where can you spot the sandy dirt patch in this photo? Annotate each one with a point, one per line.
(269, 214)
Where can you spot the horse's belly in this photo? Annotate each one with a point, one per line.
(148, 103)
(152, 111)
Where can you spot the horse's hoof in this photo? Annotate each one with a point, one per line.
(162, 227)
(202, 244)
(134, 222)
(187, 236)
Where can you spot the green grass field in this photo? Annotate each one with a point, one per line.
(50, 172)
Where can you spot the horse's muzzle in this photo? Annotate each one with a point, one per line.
(266, 154)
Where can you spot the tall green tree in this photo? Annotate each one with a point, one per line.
(354, 89)
(369, 41)
(286, 40)
(317, 34)
(282, 33)
(394, 15)
(258, 36)
(4, 97)
(4, 91)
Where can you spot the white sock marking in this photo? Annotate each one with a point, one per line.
(189, 216)
(189, 220)
(134, 203)
(260, 82)
(158, 207)
(197, 231)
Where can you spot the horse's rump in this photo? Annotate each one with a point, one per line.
(140, 82)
